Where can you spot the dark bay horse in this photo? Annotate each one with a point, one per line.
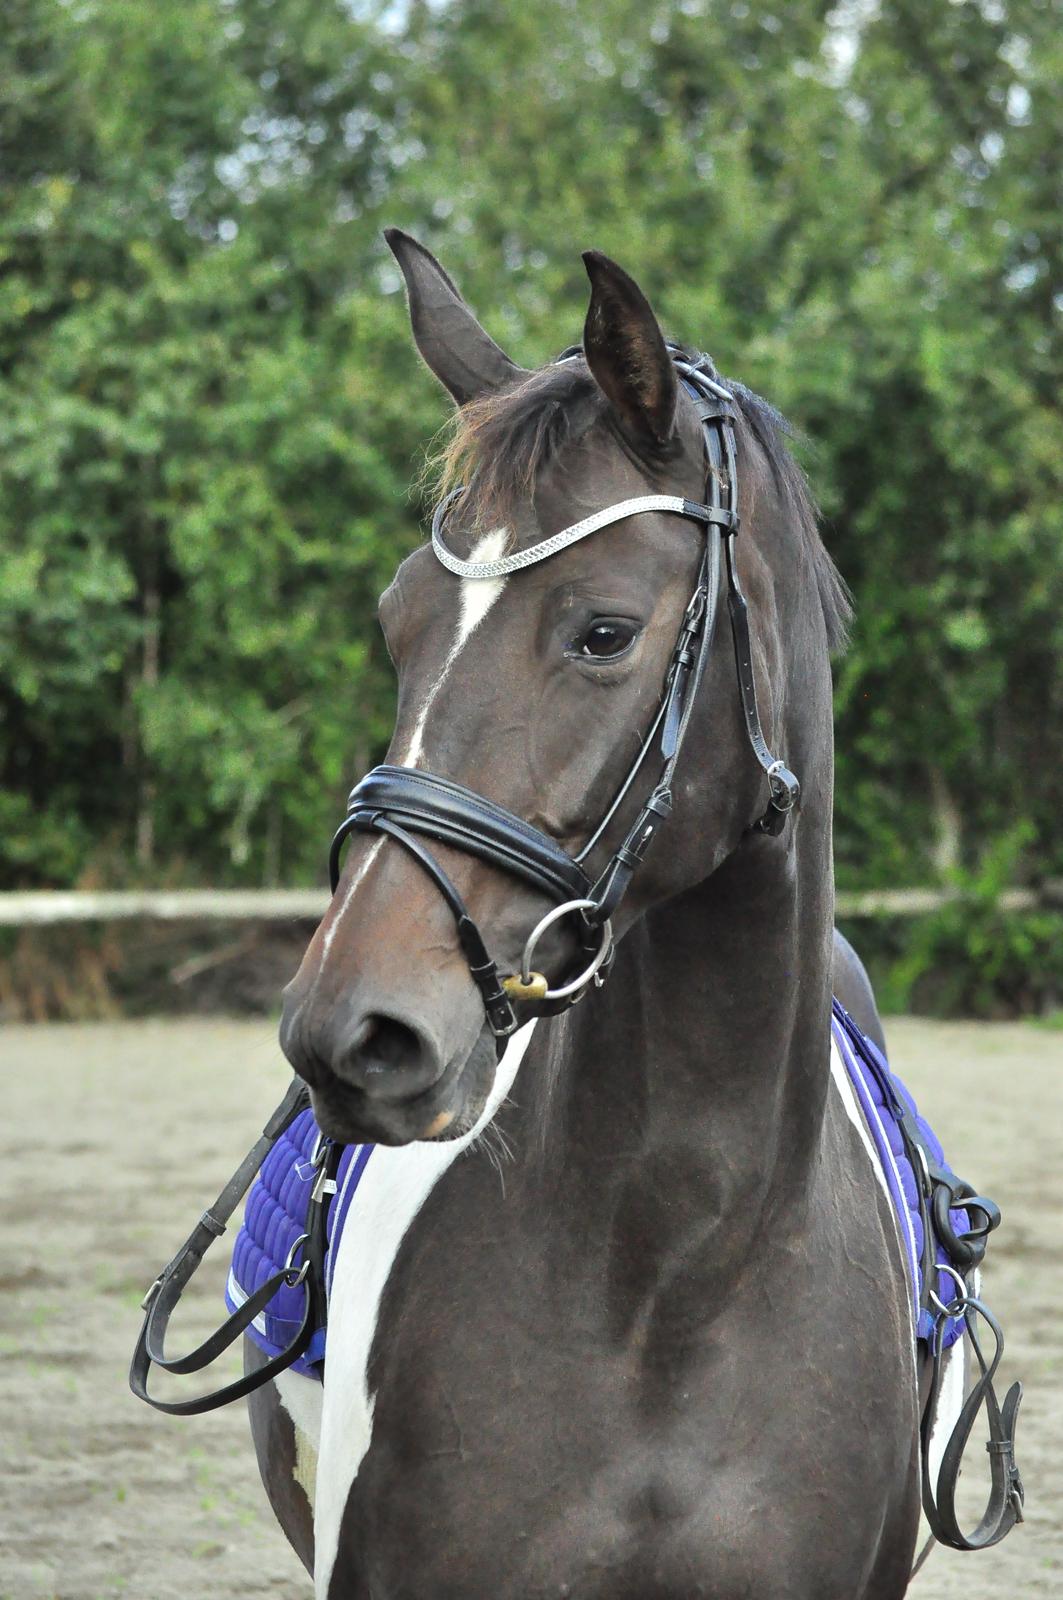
(623, 1314)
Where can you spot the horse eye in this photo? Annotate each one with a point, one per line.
(606, 639)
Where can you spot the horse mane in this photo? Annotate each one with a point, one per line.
(497, 446)
(771, 430)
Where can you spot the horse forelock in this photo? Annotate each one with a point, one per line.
(498, 446)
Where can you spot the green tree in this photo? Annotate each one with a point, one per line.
(210, 412)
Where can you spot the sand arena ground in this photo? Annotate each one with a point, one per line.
(114, 1138)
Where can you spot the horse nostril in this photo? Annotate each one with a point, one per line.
(387, 1059)
(385, 1044)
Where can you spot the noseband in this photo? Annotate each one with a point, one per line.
(408, 805)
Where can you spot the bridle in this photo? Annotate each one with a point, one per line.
(408, 805)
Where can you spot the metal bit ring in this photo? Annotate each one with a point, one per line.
(601, 955)
(956, 1307)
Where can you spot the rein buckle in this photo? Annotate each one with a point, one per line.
(149, 1299)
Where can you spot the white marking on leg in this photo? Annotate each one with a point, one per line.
(304, 1467)
(395, 1185)
(301, 1398)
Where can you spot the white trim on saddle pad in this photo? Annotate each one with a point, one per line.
(858, 1116)
(950, 1399)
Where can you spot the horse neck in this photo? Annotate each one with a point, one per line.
(688, 1095)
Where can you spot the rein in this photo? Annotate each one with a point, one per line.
(162, 1298)
(403, 802)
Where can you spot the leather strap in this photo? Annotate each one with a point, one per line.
(423, 803)
(681, 689)
(784, 789)
(1004, 1507)
(501, 1017)
(165, 1293)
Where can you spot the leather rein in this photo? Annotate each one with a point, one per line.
(409, 805)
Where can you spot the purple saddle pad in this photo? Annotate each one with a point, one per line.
(275, 1214)
(274, 1219)
(870, 1074)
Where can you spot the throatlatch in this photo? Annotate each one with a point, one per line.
(403, 802)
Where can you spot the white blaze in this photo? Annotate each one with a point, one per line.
(478, 595)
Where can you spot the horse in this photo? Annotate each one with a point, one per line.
(627, 1315)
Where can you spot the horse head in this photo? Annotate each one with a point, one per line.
(558, 693)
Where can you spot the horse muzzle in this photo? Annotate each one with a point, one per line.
(383, 1079)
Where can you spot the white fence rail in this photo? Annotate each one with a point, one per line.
(22, 909)
(51, 906)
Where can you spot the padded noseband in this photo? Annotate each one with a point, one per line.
(450, 813)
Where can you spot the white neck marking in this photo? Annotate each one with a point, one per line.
(392, 1190)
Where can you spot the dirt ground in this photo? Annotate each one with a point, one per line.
(116, 1136)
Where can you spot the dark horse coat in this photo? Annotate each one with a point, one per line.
(648, 1335)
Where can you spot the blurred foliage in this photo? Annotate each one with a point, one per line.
(973, 957)
(92, 972)
(211, 412)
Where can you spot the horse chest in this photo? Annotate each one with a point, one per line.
(470, 1422)
(507, 1471)
(481, 1406)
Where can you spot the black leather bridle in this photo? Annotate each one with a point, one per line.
(409, 805)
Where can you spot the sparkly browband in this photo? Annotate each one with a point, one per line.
(717, 515)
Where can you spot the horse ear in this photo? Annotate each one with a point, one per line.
(463, 357)
(626, 352)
